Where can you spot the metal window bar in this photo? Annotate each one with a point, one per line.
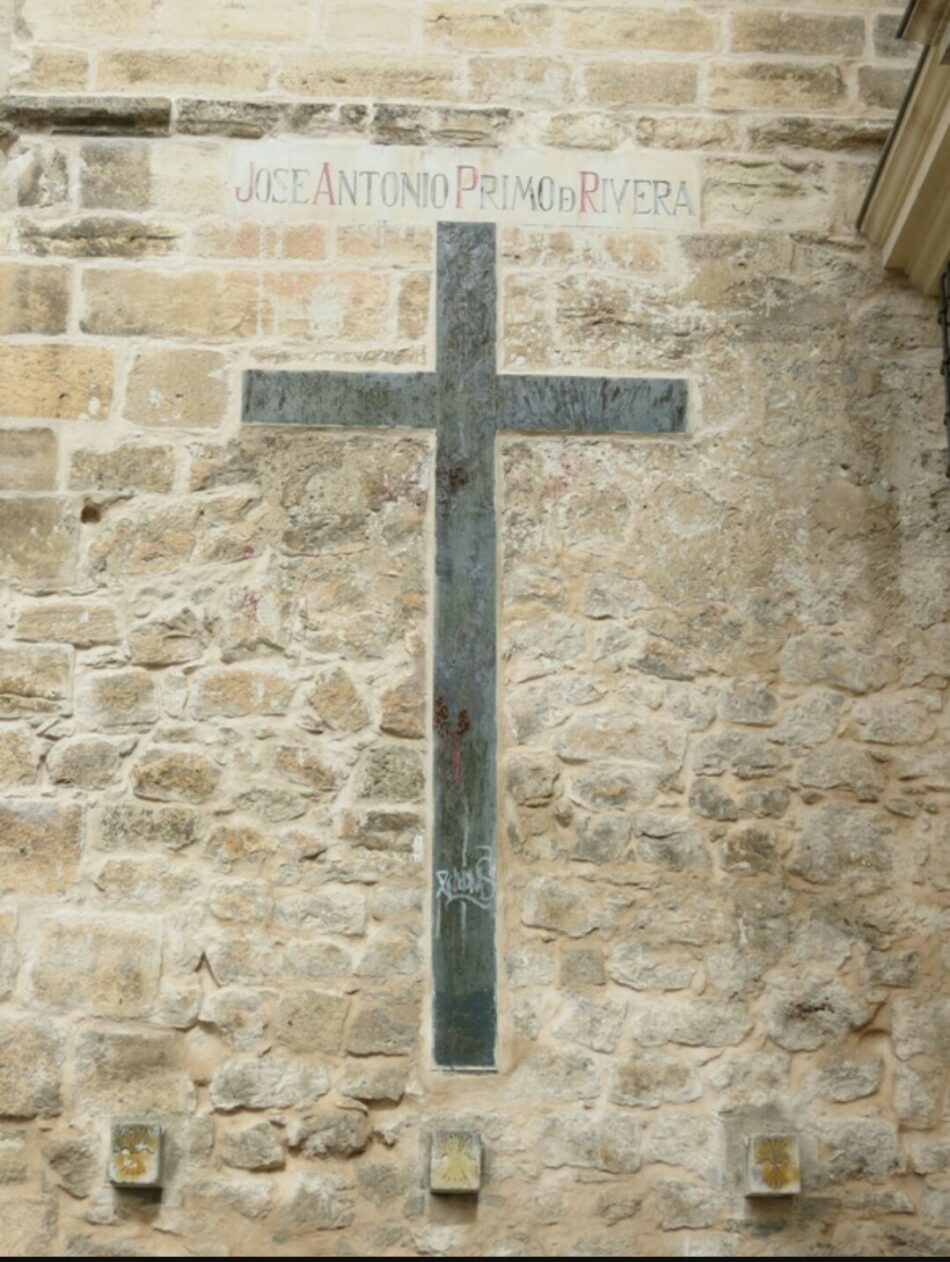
(943, 316)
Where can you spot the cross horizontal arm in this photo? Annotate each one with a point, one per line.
(649, 405)
(340, 399)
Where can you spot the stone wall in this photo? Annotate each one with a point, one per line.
(725, 859)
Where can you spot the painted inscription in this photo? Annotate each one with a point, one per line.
(474, 885)
(323, 181)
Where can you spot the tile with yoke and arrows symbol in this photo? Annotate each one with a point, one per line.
(467, 401)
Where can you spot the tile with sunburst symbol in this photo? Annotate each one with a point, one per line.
(774, 1166)
(456, 1162)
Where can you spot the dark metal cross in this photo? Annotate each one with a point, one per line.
(467, 402)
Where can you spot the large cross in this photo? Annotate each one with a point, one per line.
(467, 402)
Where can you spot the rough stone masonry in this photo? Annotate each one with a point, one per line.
(724, 862)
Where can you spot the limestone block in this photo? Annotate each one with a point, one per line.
(238, 1016)
(223, 20)
(56, 381)
(311, 1020)
(166, 775)
(231, 844)
(681, 30)
(31, 1065)
(918, 1094)
(342, 1133)
(384, 1025)
(131, 1073)
(39, 846)
(240, 691)
(254, 1148)
(392, 955)
(745, 754)
(164, 70)
(401, 78)
(677, 1139)
(86, 762)
(780, 85)
(841, 843)
(804, 1012)
(19, 757)
(654, 1079)
(860, 1148)
(54, 70)
(136, 468)
(84, 625)
(176, 388)
(269, 1083)
(678, 1204)
(811, 720)
(646, 83)
(883, 87)
(750, 703)
(108, 967)
(30, 1226)
(472, 25)
(842, 766)
(34, 680)
(573, 1138)
(117, 700)
(560, 1076)
(403, 710)
(28, 460)
(38, 539)
(341, 910)
(14, 1156)
(645, 966)
(129, 826)
(310, 770)
(392, 774)
(76, 1164)
(250, 1198)
(385, 1083)
(825, 659)
(128, 302)
(115, 175)
(690, 1022)
(790, 33)
(316, 1202)
(593, 1023)
(146, 883)
(622, 736)
(34, 298)
(525, 80)
(921, 1025)
(381, 1182)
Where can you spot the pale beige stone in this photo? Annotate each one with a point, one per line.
(132, 303)
(163, 70)
(19, 757)
(790, 33)
(28, 460)
(35, 679)
(176, 388)
(83, 624)
(56, 381)
(236, 692)
(404, 77)
(641, 83)
(118, 699)
(40, 844)
(166, 775)
(135, 468)
(30, 1067)
(784, 85)
(679, 30)
(33, 298)
(104, 966)
(38, 541)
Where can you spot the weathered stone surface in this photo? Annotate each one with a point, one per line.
(135, 468)
(14, 1156)
(844, 843)
(132, 1073)
(19, 757)
(860, 1148)
(691, 1022)
(250, 1198)
(402, 710)
(76, 1164)
(175, 776)
(118, 699)
(317, 1202)
(172, 388)
(643, 966)
(547, 904)
(384, 1026)
(921, 1025)
(655, 1079)
(237, 1015)
(38, 538)
(237, 692)
(129, 826)
(823, 659)
(392, 774)
(385, 1083)
(105, 966)
(85, 625)
(86, 762)
(31, 1066)
(679, 1204)
(842, 767)
(681, 1140)
(254, 1148)
(743, 753)
(35, 680)
(28, 460)
(311, 1021)
(805, 1012)
(339, 910)
(560, 1076)
(606, 736)
(270, 1083)
(575, 1139)
(337, 703)
(593, 1023)
(39, 846)
(342, 1133)
(303, 767)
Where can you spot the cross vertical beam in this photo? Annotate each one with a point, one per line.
(467, 402)
(465, 791)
